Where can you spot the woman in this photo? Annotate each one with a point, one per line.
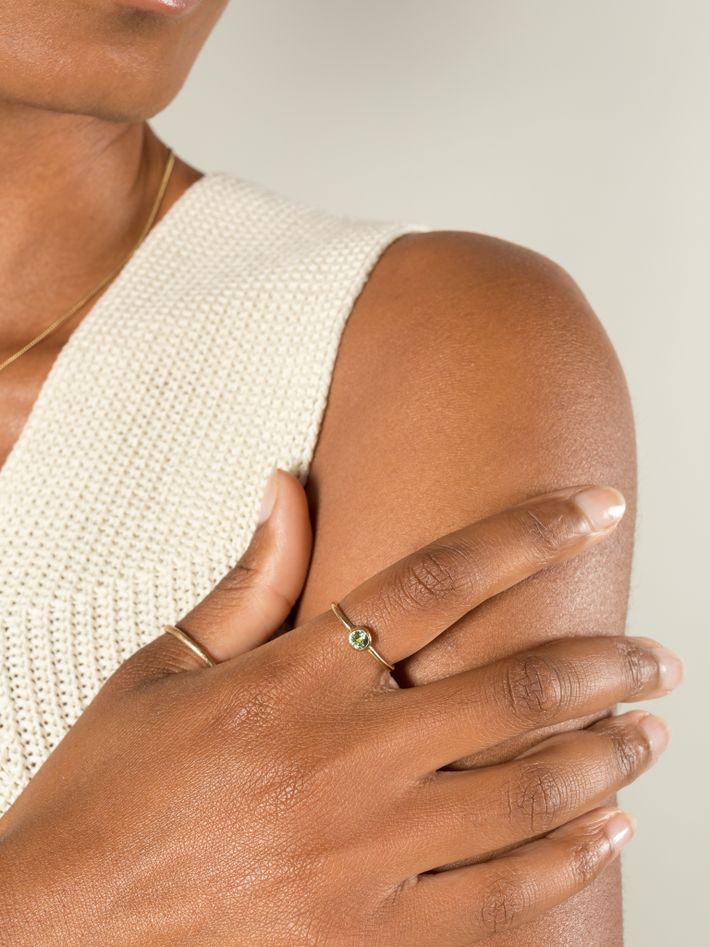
(167, 339)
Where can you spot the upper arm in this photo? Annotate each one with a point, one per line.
(473, 374)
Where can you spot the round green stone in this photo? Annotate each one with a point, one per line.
(359, 638)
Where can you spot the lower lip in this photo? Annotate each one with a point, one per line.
(166, 7)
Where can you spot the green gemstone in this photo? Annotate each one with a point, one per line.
(359, 638)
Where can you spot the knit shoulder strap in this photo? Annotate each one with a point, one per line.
(136, 481)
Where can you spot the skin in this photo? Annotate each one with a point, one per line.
(472, 375)
(78, 166)
(111, 61)
(156, 763)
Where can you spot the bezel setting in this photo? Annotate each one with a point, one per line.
(360, 639)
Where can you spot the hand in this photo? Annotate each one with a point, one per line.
(293, 794)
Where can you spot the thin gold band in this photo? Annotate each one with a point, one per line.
(359, 636)
(196, 649)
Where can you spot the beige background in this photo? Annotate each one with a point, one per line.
(579, 129)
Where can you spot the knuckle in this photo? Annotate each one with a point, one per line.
(439, 572)
(540, 795)
(535, 688)
(547, 528)
(218, 606)
(504, 901)
(238, 580)
(637, 666)
(630, 749)
(584, 860)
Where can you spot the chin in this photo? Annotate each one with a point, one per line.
(105, 60)
(110, 98)
(119, 101)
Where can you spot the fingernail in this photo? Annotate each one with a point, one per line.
(657, 733)
(268, 499)
(620, 829)
(671, 669)
(644, 641)
(598, 820)
(603, 506)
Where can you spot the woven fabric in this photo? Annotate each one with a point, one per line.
(136, 481)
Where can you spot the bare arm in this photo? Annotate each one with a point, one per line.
(471, 375)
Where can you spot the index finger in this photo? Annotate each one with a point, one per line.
(412, 601)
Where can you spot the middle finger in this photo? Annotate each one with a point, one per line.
(559, 681)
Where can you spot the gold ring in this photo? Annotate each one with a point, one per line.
(196, 649)
(359, 637)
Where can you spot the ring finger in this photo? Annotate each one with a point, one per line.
(486, 810)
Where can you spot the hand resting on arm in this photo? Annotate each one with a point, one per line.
(293, 793)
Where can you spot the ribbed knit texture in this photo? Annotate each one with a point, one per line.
(136, 481)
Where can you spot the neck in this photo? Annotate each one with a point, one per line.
(74, 194)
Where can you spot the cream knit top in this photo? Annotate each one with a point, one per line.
(136, 481)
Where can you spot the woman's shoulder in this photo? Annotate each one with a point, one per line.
(455, 286)
(473, 374)
(492, 320)
(474, 366)
(436, 287)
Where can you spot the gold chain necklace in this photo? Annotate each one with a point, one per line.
(169, 164)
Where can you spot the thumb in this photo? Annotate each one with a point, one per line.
(255, 597)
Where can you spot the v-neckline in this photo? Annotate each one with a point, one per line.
(92, 319)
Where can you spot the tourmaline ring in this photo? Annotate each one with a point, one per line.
(359, 637)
